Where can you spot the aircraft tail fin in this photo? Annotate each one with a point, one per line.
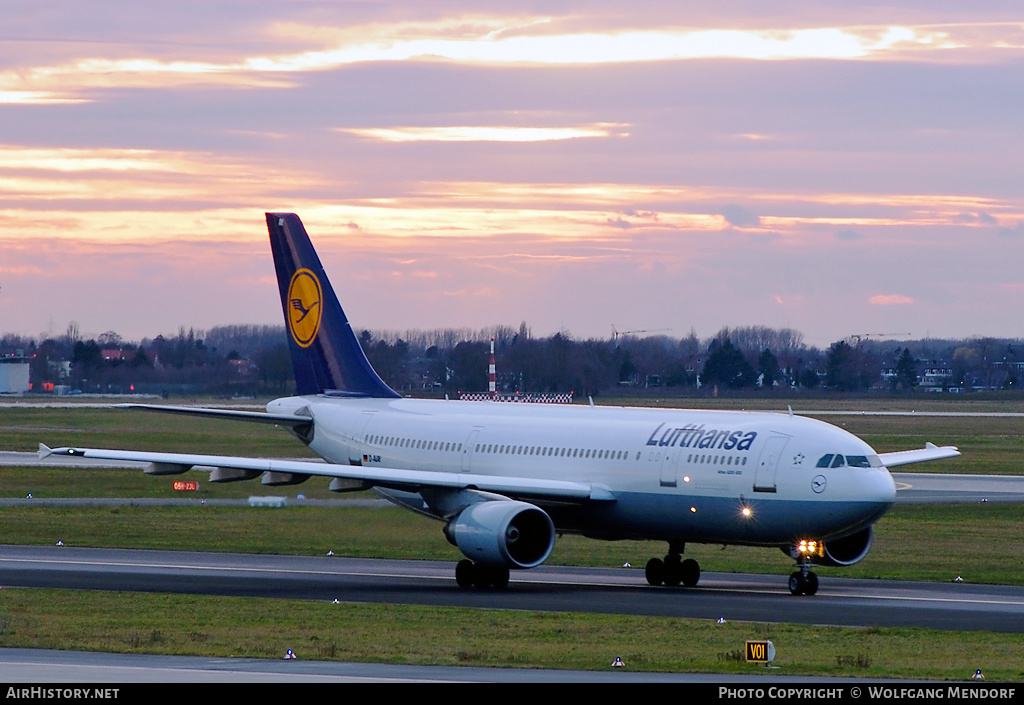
(325, 353)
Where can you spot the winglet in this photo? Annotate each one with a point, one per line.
(44, 451)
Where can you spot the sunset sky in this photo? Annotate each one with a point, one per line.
(835, 167)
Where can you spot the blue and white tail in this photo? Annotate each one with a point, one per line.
(325, 354)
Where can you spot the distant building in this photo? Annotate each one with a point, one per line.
(59, 368)
(13, 376)
(933, 376)
(242, 367)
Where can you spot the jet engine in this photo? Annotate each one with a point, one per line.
(841, 552)
(503, 532)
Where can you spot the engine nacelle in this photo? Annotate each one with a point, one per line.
(500, 532)
(840, 552)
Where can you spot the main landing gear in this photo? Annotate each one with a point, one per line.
(480, 575)
(672, 571)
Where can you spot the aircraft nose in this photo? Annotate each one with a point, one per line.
(879, 486)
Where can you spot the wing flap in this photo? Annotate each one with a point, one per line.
(397, 478)
(922, 455)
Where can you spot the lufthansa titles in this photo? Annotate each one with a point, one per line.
(696, 436)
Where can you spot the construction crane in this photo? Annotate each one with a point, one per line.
(856, 339)
(616, 333)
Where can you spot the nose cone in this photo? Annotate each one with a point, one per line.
(879, 487)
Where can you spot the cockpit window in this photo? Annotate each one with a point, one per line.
(834, 460)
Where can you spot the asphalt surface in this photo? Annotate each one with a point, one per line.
(761, 598)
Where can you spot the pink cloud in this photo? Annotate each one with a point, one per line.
(890, 300)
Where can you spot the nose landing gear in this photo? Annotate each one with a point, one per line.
(803, 581)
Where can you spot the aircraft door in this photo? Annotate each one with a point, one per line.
(768, 463)
(669, 464)
(355, 446)
(467, 449)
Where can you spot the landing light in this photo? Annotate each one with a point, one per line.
(745, 511)
(693, 509)
(810, 548)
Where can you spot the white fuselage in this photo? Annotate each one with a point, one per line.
(679, 475)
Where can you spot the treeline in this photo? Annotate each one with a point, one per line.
(246, 359)
(227, 360)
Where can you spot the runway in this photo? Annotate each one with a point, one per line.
(734, 597)
(939, 488)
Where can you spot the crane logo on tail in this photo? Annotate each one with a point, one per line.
(305, 299)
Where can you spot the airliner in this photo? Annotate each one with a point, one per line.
(506, 479)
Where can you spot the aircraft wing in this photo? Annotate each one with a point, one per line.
(907, 457)
(254, 416)
(396, 478)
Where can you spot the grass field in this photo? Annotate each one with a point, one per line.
(246, 627)
(980, 542)
(23, 428)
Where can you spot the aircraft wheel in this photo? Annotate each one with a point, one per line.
(655, 572)
(690, 572)
(483, 576)
(465, 572)
(797, 584)
(811, 585)
(499, 577)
